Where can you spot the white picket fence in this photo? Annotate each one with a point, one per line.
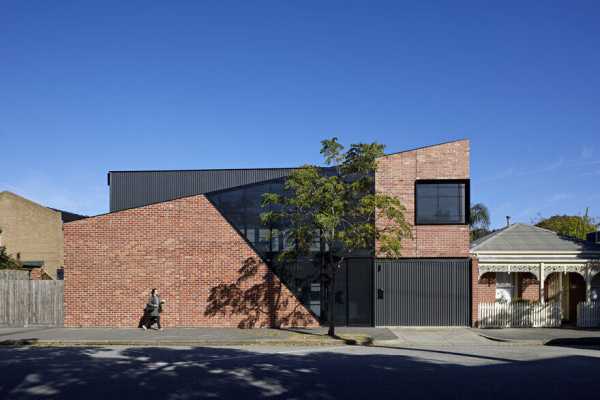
(519, 315)
(588, 314)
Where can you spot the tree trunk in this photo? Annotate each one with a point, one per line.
(331, 331)
(331, 300)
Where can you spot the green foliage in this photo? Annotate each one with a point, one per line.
(479, 233)
(6, 261)
(479, 221)
(338, 209)
(575, 226)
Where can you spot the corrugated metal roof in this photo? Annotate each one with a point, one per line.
(523, 237)
(68, 216)
(129, 189)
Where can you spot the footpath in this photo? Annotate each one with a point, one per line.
(398, 337)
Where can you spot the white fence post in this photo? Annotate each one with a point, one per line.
(588, 314)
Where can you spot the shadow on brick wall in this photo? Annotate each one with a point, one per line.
(259, 298)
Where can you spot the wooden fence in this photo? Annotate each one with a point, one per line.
(519, 315)
(588, 314)
(31, 303)
(12, 274)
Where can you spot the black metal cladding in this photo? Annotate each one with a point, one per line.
(422, 292)
(129, 189)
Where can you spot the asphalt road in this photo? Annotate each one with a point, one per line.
(350, 372)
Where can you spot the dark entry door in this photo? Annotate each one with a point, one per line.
(422, 292)
(576, 294)
(354, 293)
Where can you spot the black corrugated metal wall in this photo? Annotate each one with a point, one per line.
(422, 292)
(130, 189)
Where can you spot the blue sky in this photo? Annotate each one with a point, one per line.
(86, 88)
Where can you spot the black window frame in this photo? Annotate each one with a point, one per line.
(466, 182)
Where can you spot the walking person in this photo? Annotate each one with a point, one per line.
(153, 307)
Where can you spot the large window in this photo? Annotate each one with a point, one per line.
(241, 206)
(441, 202)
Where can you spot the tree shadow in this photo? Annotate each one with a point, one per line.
(258, 298)
(581, 342)
(363, 372)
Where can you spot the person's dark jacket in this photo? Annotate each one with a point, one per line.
(153, 305)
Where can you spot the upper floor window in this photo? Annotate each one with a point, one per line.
(441, 202)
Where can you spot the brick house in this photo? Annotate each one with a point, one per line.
(525, 262)
(196, 236)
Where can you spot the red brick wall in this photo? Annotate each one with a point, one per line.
(35, 274)
(482, 290)
(396, 175)
(474, 290)
(486, 287)
(208, 275)
(529, 287)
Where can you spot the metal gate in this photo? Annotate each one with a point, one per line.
(422, 292)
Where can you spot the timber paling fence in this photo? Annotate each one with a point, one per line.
(31, 303)
(588, 314)
(519, 315)
(12, 274)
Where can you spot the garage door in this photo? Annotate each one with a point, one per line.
(422, 292)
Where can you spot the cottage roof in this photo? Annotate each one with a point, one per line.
(524, 237)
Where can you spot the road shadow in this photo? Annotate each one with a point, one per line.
(574, 342)
(215, 373)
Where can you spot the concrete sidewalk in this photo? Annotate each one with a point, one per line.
(437, 336)
(399, 337)
(188, 336)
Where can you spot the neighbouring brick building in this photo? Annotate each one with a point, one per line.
(196, 236)
(33, 234)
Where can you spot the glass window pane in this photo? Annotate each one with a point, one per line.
(275, 240)
(426, 190)
(448, 190)
(250, 235)
(440, 203)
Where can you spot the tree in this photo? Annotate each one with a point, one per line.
(337, 207)
(480, 221)
(575, 226)
(6, 261)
